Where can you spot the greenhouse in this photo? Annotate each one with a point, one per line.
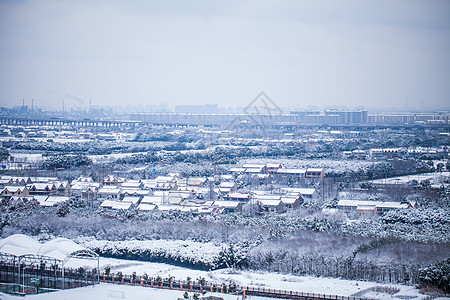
(27, 266)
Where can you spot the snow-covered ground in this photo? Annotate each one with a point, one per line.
(435, 177)
(330, 165)
(97, 158)
(114, 291)
(308, 284)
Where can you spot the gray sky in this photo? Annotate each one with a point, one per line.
(355, 53)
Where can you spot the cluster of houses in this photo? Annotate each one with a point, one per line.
(46, 190)
(218, 194)
(196, 194)
(206, 195)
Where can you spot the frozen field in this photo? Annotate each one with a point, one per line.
(309, 284)
(435, 177)
(113, 291)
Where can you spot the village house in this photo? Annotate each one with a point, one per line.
(161, 183)
(315, 173)
(386, 153)
(112, 180)
(42, 188)
(272, 205)
(152, 200)
(229, 206)
(9, 191)
(368, 207)
(147, 207)
(242, 197)
(133, 192)
(116, 205)
(89, 195)
(132, 184)
(15, 180)
(131, 199)
(305, 193)
(359, 154)
(291, 173)
(63, 188)
(227, 187)
(291, 203)
(273, 168)
(197, 181)
(108, 192)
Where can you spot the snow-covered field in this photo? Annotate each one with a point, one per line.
(113, 291)
(330, 165)
(309, 284)
(435, 177)
(97, 158)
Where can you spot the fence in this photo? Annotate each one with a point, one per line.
(36, 277)
(49, 277)
(203, 286)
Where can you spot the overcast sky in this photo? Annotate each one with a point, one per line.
(301, 53)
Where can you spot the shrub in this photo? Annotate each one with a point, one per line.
(437, 275)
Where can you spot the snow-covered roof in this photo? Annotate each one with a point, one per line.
(273, 165)
(121, 205)
(268, 197)
(41, 186)
(270, 202)
(227, 184)
(60, 248)
(131, 199)
(146, 206)
(210, 210)
(178, 193)
(366, 207)
(315, 170)
(253, 166)
(131, 184)
(84, 185)
(238, 195)
(291, 171)
(288, 200)
(304, 191)
(152, 199)
(175, 207)
(377, 204)
(135, 192)
(227, 204)
(253, 170)
(109, 191)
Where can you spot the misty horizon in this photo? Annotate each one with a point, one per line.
(302, 54)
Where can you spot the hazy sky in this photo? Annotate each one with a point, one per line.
(355, 53)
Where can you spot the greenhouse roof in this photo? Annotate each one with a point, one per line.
(60, 248)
